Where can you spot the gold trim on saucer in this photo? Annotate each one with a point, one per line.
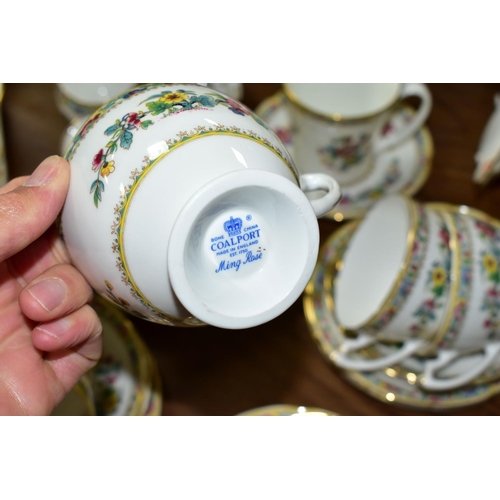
(393, 385)
(283, 410)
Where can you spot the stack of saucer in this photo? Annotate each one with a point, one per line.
(405, 303)
(125, 381)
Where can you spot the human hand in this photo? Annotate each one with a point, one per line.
(49, 335)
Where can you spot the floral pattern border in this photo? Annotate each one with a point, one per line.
(465, 282)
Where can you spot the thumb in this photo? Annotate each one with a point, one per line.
(29, 210)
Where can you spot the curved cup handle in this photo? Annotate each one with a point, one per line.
(367, 365)
(410, 89)
(430, 382)
(323, 182)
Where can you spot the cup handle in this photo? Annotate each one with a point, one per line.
(342, 360)
(410, 89)
(430, 382)
(323, 182)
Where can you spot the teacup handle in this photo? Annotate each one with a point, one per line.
(430, 382)
(321, 182)
(342, 360)
(410, 89)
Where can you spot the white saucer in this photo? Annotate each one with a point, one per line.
(398, 384)
(404, 169)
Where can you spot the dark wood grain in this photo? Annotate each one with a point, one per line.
(210, 371)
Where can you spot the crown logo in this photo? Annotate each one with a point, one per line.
(233, 226)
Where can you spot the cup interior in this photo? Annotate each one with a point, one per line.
(243, 249)
(374, 259)
(344, 100)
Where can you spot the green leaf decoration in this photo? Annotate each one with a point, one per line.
(113, 147)
(157, 107)
(145, 124)
(495, 277)
(93, 186)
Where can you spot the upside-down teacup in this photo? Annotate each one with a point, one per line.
(185, 208)
(394, 281)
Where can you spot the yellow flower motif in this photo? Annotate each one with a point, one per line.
(490, 263)
(173, 97)
(107, 168)
(438, 276)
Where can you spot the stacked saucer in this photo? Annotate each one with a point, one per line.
(125, 381)
(430, 340)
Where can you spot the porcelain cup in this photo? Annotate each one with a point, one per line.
(185, 208)
(76, 100)
(474, 328)
(339, 127)
(394, 281)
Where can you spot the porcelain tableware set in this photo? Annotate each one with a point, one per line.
(185, 208)
(407, 298)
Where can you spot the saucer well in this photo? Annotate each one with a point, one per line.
(403, 169)
(396, 385)
(287, 411)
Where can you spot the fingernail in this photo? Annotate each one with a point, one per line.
(49, 293)
(44, 173)
(55, 328)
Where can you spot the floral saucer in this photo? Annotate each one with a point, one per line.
(287, 411)
(396, 385)
(404, 169)
(126, 380)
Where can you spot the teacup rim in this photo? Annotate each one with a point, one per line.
(292, 97)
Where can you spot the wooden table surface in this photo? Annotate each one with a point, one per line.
(211, 371)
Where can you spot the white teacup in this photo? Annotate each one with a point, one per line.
(475, 319)
(394, 281)
(76, 100)
(184, 208)
(338, 126)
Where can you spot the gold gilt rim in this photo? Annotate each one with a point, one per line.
(358, 379)
(337, 117)
(410, 239)
(123, 323)
(2, 92)
(263, 411)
